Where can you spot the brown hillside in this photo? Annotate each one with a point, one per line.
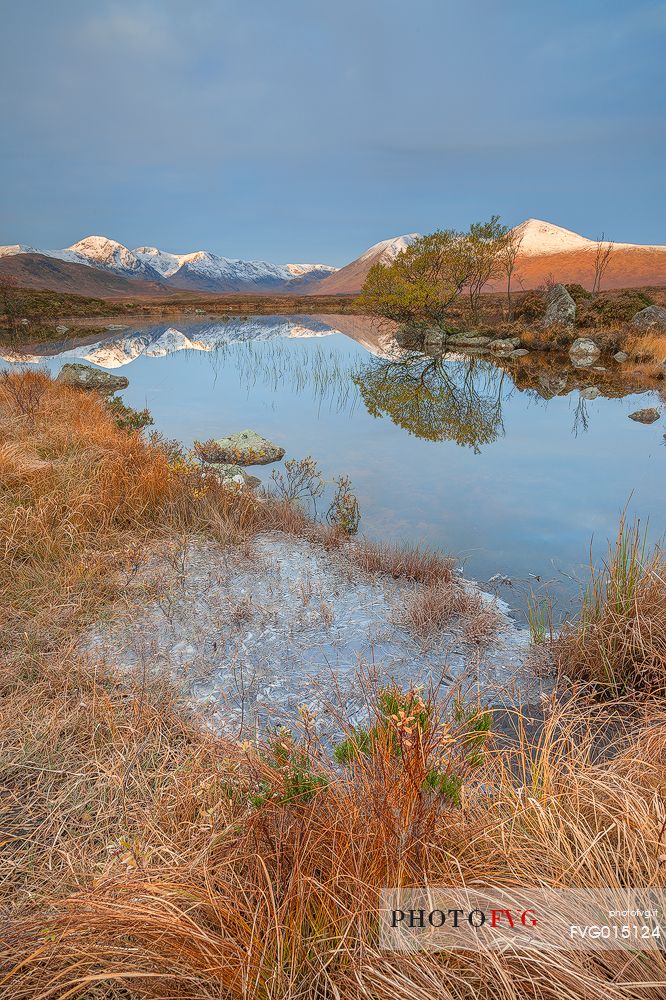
(34, 270)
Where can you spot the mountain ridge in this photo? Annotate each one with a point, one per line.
(546, 251)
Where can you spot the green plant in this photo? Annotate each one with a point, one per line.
(540, 618)
(291, 779)
(344, 513)
(126, 417)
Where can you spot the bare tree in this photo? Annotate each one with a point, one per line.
(512, 244)
(602, 256)
(486, 245)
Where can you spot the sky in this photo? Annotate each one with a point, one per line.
(306, 131)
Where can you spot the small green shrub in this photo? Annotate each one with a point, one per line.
(344, 512)
(126, 417)
(294, 781)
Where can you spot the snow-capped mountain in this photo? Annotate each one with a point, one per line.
(387, 250)
(201, 270)
(16, 248)
(538, 237)
(210, 272)
(350, 278)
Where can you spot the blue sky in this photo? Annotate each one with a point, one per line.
(302, 130)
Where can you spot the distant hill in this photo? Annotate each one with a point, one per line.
(350, 278)
(102, 267)
(200, 271)
(34, 270)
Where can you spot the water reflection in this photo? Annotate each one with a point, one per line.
(470, 454)
(440, 400)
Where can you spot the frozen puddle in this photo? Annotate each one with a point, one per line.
(253, 636)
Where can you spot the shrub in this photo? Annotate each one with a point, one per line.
(126, 417)
(530, 307)
(343, 513)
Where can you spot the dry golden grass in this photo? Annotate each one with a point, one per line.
(139, 860)
(429, 609)
(618, 642)
(144, 856)
(78, 496)
(420, 564)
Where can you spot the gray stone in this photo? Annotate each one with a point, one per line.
(583, 352)
(646, 416)
(434, 337)
(62, 329)
(247, 448)
(590, 392)
(503, 346)
(232, 475)
(117, 326)
(560, 308)
(467, 340)
(24, 322)
(651, 318)
(87, 377)
(519, 353)
(620, 357)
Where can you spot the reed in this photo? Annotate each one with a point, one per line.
(618, 640)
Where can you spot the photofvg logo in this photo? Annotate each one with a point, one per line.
(441, 918)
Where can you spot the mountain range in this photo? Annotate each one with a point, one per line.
(99, 266)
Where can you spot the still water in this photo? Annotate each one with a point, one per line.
(512, 470)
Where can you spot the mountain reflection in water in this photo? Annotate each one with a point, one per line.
(510, 464)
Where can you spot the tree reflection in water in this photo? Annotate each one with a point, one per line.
(456, 400)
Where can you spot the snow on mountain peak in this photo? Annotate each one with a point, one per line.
(388, 250)
(539, 237)
(15, 248)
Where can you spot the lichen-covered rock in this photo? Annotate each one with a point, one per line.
(560, 308)
(62, 328)
(620, 356)
(232, 475)
(520, 352)
(590, 392)
(244, 448)
(467, 340)
(646, 416)
(504, 347)
(86, 377)
(651, 318)
(583, 352)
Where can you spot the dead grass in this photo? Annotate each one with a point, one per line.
(618, 641)
(144, 856)
(420, 564)
(429, 609)
(77, 495)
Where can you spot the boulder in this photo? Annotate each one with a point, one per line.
(520, 352)
(560, 308)
(590, 392)
(232, 475)
(620, 357)
(62, 329)
(87, 377)
(503, 346)
(117, 326)
(434, 337)
(651, 318)
(646, 416)
(467, 340)
(583, 352)
(245, 448)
